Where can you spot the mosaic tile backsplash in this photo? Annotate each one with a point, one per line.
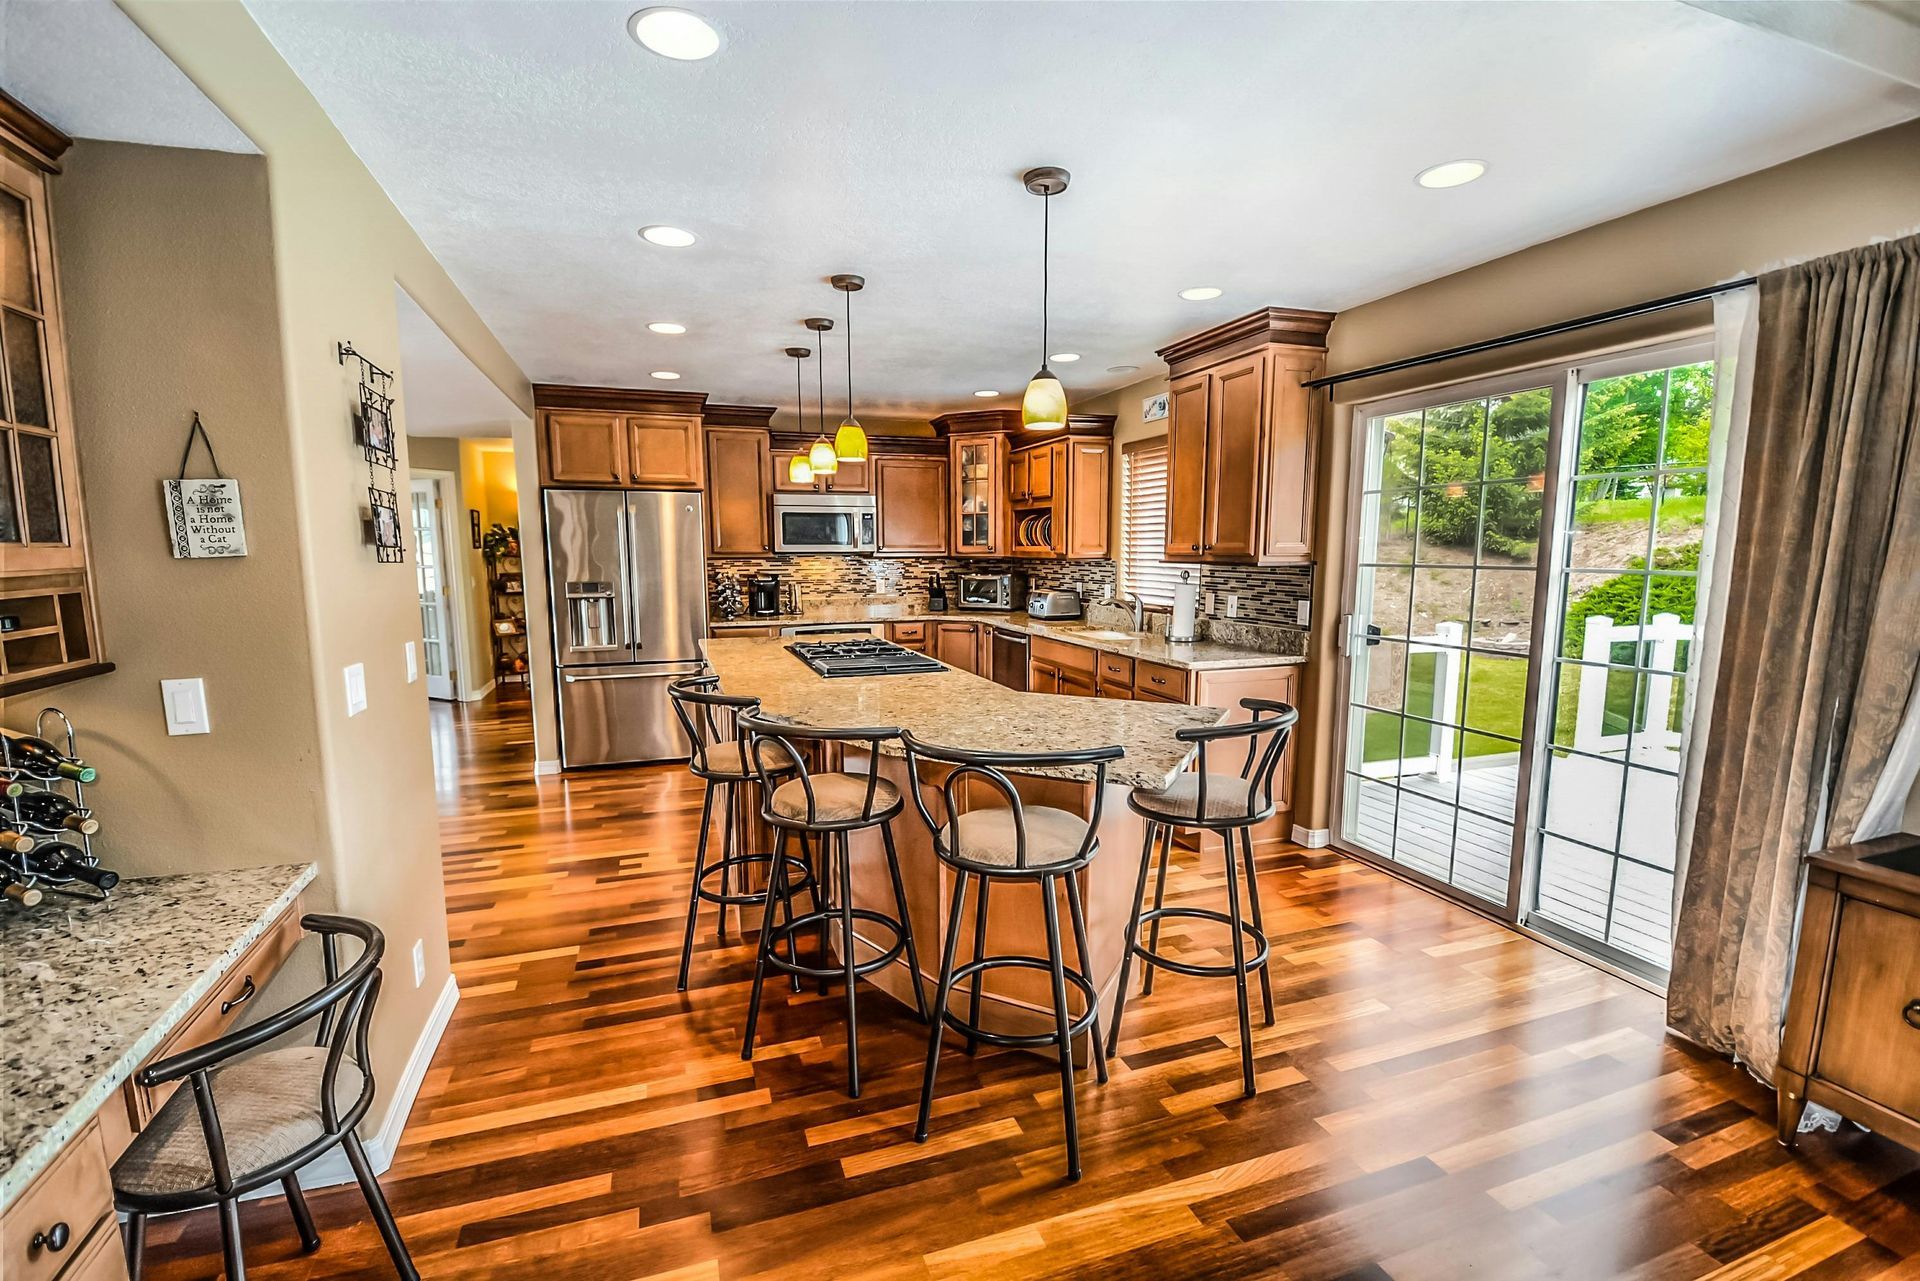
(1268, 596)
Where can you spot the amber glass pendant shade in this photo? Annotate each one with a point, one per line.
(1044, 408)
(850, 442)
(799, 470)
(822, 459)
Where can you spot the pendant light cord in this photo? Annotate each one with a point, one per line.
(1046, 270)
(799, 393)
(820, 377)
(849, 337)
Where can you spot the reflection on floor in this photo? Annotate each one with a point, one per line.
(1440, 1098)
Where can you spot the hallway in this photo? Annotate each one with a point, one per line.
(1440, 1098)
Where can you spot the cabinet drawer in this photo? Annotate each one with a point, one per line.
(102, 1258)
(75, 1190)
(1160, 681)
(221, 1008)
(901, 633)
(1870, 1043)
(1066, 657)
(1115, 670)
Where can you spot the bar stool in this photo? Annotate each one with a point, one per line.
(827, 807)
(243, 1123)
(720, 758)
(1229, 804)
(1038, 844)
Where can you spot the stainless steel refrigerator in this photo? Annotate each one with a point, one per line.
(627, 571)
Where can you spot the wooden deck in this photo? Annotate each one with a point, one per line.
(1441, 1098)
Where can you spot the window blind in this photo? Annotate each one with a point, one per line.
(1143, 523)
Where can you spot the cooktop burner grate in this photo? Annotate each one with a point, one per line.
(866, 656)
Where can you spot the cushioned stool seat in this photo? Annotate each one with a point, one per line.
(725, 758)
(269, 1108)
(837, 798)
(1228, 797)
(990, 836)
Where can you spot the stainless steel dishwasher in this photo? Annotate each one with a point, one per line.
(1010, 658)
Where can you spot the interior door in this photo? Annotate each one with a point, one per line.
(436, 616)
(1442, 670)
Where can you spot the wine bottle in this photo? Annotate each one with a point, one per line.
(40, 758)
(53, 811)
(16, 842)
(59, 862)
(24, 895)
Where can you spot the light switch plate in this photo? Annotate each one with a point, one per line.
(1233, 604)
(356, 689)
(413, 665)
(1208, 607)
(419, 962)
(185, 703)
(1303, 612)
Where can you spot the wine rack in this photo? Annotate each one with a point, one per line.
(507, 605)
(44, 855)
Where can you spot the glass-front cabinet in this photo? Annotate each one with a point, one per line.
(979, 523)
(47, 630)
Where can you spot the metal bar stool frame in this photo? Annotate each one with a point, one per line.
(1273, 721)
(987, 767)
(701, 707)
(769, 743)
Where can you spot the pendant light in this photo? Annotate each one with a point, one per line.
(820, 455)
(799, 469)
(850, 442)
(1044, 407)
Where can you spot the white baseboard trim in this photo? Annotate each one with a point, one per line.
(1314, 838)
(545, 767)
(479, 694)
(331, 1168)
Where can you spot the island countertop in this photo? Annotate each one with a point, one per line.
(92, 988)
(958, 709)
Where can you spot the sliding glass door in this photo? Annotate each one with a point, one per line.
(1521, 601)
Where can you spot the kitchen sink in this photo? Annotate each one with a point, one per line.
(1094, 633)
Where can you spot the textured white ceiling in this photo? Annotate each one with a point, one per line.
(442, 393)
(84, 67)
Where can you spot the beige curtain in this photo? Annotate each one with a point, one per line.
(1821, 634)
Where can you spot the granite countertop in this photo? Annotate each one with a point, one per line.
(92, 988)
(958, 709)
(1199, 656)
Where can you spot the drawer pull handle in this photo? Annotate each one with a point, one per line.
(246, 994)
(1912, 1013)
(53, 1240)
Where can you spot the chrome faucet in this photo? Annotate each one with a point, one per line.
(1139, 609)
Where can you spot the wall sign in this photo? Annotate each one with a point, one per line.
(1153, 408)
(204, 519)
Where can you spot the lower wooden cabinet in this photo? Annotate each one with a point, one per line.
(911, 636)
(1852, 1040)
(957, 645)
(71, 1201)
(911, 494)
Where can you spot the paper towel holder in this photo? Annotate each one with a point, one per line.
(1185, 598)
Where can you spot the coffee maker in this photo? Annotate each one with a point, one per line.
(763, 595)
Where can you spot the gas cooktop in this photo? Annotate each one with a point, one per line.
(865, 656)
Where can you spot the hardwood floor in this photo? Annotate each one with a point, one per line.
(1440, 1098)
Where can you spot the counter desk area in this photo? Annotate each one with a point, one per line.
(958, 709)
(93, 991)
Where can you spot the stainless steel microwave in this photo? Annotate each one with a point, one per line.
(830, 523)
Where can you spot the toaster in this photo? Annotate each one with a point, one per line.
(1061, 604)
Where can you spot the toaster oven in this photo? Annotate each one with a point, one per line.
(993, 591)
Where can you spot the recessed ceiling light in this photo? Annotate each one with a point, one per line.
(667, 327)
(670, 237)
(984, 394)
(674, 33)
(1065, 357)
(1452, 173)
(665, 375)
(1123, 369)
(1200, 293)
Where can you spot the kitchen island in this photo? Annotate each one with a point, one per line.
(958, 709)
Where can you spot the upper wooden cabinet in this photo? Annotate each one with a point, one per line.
(739, 491)
(1060, 495)
(979, 463)
(620, 438)
(1241, 437)
(46, 582)
(911, 492)
(847, 478)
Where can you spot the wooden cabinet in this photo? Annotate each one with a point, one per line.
(1057, 667)
(911, 494)
(620, 438)
(72, 1200)
(1241, 437)
(46, 580)
(739, 492)
(847, 478)
(1157, 680)
(1112, 676)
(1060, 495)
(957, 645)
(1852, 1039)
(979, 463)
(911, 636)
(723, 630)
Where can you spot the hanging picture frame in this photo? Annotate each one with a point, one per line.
(473, 519)
(388, 541)
(204, 517)
(1153, 408)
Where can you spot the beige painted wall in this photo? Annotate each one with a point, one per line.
(166, 270)
(1818, 204)
(1125, 406)
(475, 659)
(339, 249)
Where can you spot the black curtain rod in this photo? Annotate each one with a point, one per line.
(1528, 335)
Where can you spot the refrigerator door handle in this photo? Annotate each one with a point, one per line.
(571, 679)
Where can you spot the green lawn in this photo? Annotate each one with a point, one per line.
(1494, 701)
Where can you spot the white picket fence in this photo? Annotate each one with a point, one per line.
(1657, 646)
